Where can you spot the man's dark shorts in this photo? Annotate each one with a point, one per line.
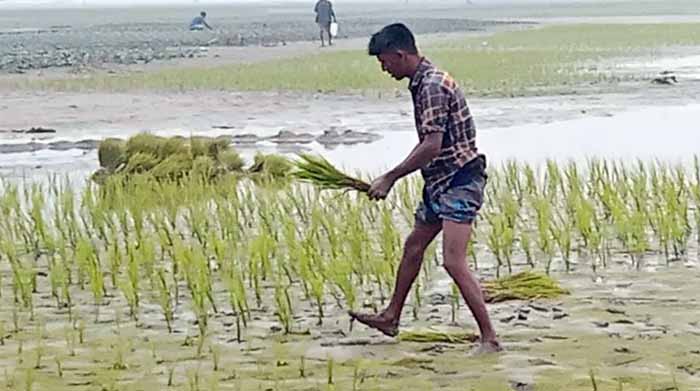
(461, 202)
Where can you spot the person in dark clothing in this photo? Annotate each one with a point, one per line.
(324, 17)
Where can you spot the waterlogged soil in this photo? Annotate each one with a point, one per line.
(638, 328)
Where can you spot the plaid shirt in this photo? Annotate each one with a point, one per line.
(440, 106)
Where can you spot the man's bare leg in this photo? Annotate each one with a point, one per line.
(323, 43)
(417, 242)
(455, 239)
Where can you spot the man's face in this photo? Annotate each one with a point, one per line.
(393, 64)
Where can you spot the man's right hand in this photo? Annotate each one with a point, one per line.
(380, 187)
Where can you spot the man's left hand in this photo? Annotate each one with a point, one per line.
(380, 187)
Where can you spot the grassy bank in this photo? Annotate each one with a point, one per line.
(509, 63)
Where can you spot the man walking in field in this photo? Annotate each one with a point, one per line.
(324, 17)
(454, 175)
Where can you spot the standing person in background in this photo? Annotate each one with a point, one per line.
(199, 22)
(324, 17)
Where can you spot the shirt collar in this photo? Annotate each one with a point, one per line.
(423, 67)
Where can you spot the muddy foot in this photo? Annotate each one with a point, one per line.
(487, 348)
(387, 327)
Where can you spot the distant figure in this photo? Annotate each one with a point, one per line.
(324, 16)
(199, 22)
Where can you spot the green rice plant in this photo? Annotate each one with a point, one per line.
(676, 195)
(86, 257)
(22, 276)
(215, 356)
(311, 268)
(594, 383)
(562, 235)
(553, 180)
(302, 367)
(330, 367)
(340, 274)
(81, 331)
(545, 242)
(69, 334)
(29, 379)
(454, 303)
(695, 192)
(130, 283)
(285, 312)
(500, 235)
(526, 244)
(59, 367)
(390, 244)
(171, 374)
(320, 172)
(164, 299)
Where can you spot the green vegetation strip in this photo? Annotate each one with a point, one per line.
(508, 63)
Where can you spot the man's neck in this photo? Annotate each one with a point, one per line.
(415, 63)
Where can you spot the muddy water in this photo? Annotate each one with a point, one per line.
(668, 133)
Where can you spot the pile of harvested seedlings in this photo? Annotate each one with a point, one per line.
(172, 158)
(522, 286)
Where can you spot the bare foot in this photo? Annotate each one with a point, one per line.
(378, 322)
(487, 348)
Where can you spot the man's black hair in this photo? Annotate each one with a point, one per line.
(392, 38)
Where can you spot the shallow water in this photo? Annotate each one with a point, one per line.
(667, 133)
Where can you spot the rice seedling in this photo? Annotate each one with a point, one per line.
(284, 306)
(594, 383)
(320, 172)
(59, 367)
(330, 367)
(454, 303)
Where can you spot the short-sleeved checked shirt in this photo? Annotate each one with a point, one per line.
(440, 106)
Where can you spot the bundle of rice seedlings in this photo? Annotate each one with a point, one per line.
(141, 162)
(231, 160)
(144, 143)
(207, 146)
(430, 336)
(522, 286)
(111, 153)
(273, 165)
(320, 172)
(173, 167)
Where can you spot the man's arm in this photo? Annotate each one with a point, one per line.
(207, 24)
(421, 155)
